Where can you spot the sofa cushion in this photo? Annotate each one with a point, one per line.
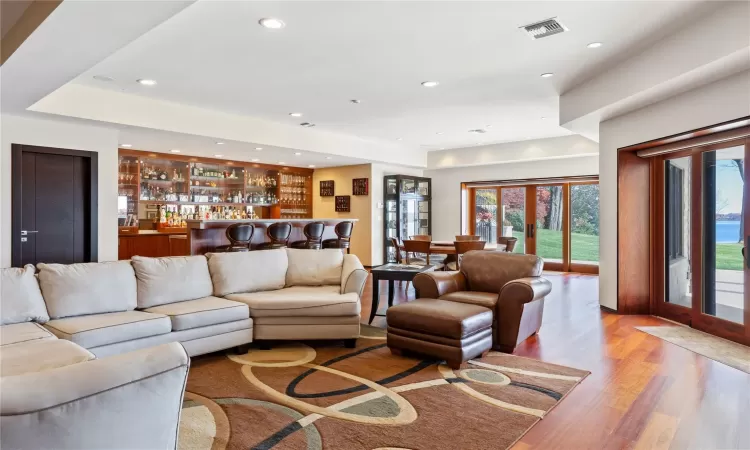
(87, 288)
(23, 332)
(37, 356)
(314, 267)
(262, 270)
(486, 299)
(490, 271)
(169, 280)
(202, 312)
(300, 301)
(20, 297)
(102, 329)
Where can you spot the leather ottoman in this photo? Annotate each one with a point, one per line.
(455, 332)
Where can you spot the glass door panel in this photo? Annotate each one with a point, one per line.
(409, 218)
(485, 221)
(723, 236)
(549, 223)
(584, 224)
(677, 231)
(514, 216)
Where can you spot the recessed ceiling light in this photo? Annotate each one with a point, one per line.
(295, 114)
(544, 118)
(257, 149)
(282, 162)
(255, 160)
(307, 124)
(439, 132)
(218, 156)
(219, 143)
(430, 83)
(328, 157)
(480, 143)
(355, 101)
(297, 154)
(126, 145)
(311, 165)
(146, 82)
(488, 126)
(478, 131)
(547, 75)
(103, 78)
(442, 148)
(174, 150)
(399, 139)
(270, 22)
(594, 45)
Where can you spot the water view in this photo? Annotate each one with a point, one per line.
(727, 232)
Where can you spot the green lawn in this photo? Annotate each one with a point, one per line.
(585, 247)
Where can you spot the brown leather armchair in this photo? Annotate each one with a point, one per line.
(508, 284)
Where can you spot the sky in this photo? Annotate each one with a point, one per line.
(728, 187)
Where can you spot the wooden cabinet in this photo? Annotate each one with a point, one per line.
(144, 245)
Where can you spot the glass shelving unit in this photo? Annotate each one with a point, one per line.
(407, 201)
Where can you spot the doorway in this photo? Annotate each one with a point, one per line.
(701, 202)
(557, 220)
(54, 205)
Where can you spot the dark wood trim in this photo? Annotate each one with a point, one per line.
(525, 181)
(17, 195)
(29, 21)
(633, 234)
(712, 129)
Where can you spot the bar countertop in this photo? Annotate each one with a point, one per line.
(202, 223)
(152, 233)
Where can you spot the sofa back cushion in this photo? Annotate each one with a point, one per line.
(235, 272)
(20, 297)
(488, 271)
(314, 267)
(87, 288)
(170, 280)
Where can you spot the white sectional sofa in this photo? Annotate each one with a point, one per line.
(54, 391)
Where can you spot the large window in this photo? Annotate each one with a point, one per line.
(674, 178)
(584, 223)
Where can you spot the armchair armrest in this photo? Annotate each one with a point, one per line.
(132, 400)
(353, 275)
(435, 284)
(525, 290)
(519, 311)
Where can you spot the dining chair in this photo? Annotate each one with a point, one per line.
(421, 237)
(397, 246)
(510, 243)
(416, 247)
(467, 237)
(461, 248)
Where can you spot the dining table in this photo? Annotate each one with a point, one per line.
(448, 248)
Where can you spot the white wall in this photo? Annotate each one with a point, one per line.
(62, 134)
(718, 102)
(376, 189)
(446, 184)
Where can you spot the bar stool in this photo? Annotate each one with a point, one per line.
(278, 233)
(344, 233)
(314, 233)
(239, 236)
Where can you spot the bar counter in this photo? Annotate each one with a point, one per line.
(205, 235)
(151, 243)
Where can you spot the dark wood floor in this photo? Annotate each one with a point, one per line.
(643, 393)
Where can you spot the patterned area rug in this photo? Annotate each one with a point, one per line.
(316, 396)
(726, 352)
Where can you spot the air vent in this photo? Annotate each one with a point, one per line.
(307, 124)
(545, 28)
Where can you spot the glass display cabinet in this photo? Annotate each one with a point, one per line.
(408, 211)
(127, 192)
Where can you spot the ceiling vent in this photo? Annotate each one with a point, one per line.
(307, 124)
(545, 28)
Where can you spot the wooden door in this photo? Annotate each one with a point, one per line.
(53, 209)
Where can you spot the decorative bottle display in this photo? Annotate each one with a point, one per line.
(293, 196)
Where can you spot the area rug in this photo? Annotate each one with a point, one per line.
(325, 396)
(721, 350)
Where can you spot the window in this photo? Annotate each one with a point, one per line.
(675, 177)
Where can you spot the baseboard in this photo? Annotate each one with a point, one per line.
(608, 309)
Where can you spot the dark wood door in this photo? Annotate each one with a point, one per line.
(54, 206)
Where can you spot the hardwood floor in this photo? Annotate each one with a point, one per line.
(643, 392)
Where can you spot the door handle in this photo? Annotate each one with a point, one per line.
(25, 232)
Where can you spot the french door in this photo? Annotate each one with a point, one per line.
(701, 202)
(556, 220)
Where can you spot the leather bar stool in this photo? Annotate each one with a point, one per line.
(239, 236)
(314, 233)
(344, 233)
(278, 233)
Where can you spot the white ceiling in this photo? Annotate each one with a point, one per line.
(214, 55)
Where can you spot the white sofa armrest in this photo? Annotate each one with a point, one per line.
(131, 400)
(353, 275)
